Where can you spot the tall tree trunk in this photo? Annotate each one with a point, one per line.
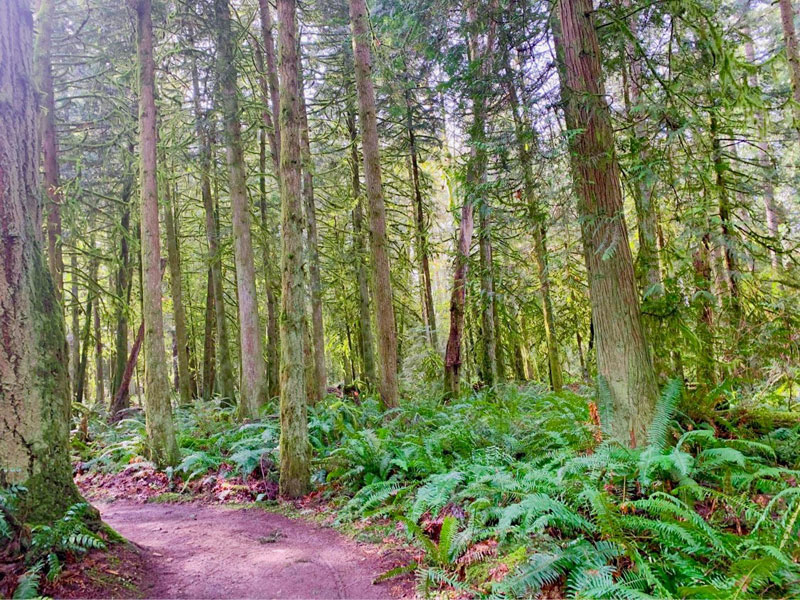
(526, 140)
(35, 402)
(476, 172)
(315, 285)
(186, 393)
(623, 356)
(730, 269)
(420, 231)
(209, 345)
(489, 337)
(701, 263)
(362, 279)
(253, 385)
(295, 452)
(86, 336)
(271, 112)
(771, 209)
(123, 285)
(162, 445)
(790, 39)
(74, 341)
(99, 374)
(224, 372)
(47, 109)
(384, 309)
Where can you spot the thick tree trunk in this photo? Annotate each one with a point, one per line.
(384, 309)
(623, 356)
(489, 337)
(185, 391)
(253, 385)
(271, 112)
(224, 373)
(35, 402)
(706, 377)
(295, 452)
(526, 140)
(315, 285)
(162, 445)
(47, 109)
(790, 40)
(362, 279)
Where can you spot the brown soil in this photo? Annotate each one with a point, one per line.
(199, 551)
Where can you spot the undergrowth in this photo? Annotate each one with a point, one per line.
(512, 492)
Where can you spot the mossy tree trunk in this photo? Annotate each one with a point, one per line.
(382, 285)
(253, 385)
(623, 356)
(34, 382)
(224, 373)
(162, 445)
(295, 451)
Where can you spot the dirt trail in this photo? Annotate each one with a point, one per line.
(197, 551)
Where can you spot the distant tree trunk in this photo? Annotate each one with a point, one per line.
(99, 375)
(295, 452)
(771, 209)
(648, 270)
(526, 141)
(706, 377)
(123, 281)
(162, 445)
(420, 231)
(121, 400)
(365, 318)
(224, 374)
(384, 309)
(623, 356)
(253, 385)
(790, 40)
(74, 342)
(35, 402)
(186, 393)
(315, 285)
(209, 346)
(47, 110)
(86, 332)
(489, 337)
(476, 171)
(731, 271)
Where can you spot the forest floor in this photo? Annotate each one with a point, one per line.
(198, 550)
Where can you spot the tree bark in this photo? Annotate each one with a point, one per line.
(162, 445)
(420, 232)
(123, 281)
(384, 309)
(209, 345)
(295, 452)
(35, 402)
(315, 284)
(99, 375)
(47, 108)
(253, 386)
(526, 140)
(224, 373)
(790, 40)
(362, 279)
(476, 172)
(185, 391)
(623, 356)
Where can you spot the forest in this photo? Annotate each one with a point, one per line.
(399, 299)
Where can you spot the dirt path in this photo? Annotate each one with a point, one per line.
(196, 551)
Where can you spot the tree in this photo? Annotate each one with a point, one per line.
(162, 445)
(384, 309)
(623, 356)
(295, 470)
(253, 384)
(35, 401)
